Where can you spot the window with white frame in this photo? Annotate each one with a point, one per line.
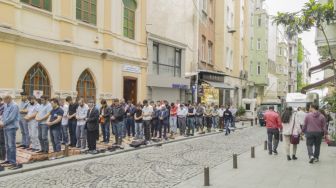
(259, 21)
(227, 57)
(203, 47)
(210, 52)
(228, 16)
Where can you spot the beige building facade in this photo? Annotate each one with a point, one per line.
(92, 49)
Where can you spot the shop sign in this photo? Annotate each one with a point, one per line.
(132, 69)
(179, 86)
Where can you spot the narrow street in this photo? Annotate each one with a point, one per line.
(164, 166)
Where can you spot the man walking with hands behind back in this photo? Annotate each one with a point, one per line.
(274, 126)
(314, 128)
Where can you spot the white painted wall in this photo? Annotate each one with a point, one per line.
(173, 20)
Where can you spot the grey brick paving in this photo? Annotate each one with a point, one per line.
(154, 167)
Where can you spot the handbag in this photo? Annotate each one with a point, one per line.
(294, 139)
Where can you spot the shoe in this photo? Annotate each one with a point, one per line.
(52, 158)
(311, 161)
(94, 152)
(39, 151)
(289, 158)
(15, 166)
(4, 163)
(294, 157)
(275, 152)
(35, 150)
(316, 160)
(270, 152)
(21, 146)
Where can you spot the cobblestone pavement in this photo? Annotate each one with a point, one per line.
(156, 167)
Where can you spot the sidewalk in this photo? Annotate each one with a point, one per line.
(272, 171)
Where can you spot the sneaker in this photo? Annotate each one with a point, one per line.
(52, 158)
(311, 161)
(94, 152)
(275, 152)
(316, 160)
(4, 163)
(39, 151)
(15, 166)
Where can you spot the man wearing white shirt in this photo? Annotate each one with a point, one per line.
(182, 113)
(32, 123)
(81, 115)
(147, 112)
(64, 122)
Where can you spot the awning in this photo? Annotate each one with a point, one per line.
(322, 66)
(318, 84)
(219, 85)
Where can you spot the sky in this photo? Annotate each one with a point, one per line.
(308, 38)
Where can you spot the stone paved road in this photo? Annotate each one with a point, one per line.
(156, 167)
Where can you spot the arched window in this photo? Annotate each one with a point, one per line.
(86, 87)
(36, 79)
(129, 18)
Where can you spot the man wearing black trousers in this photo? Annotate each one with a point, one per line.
(92, 126)
(72, 123)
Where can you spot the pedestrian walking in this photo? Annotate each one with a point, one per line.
(314, 128)
(65, 123)
(72, 121)
(55, 125)
(92, 126)
(81, 115)
(147, 112)
(291, 131)
(274, 126)
(25, 139)
(117, 118)
(182, 113)
(191, 120)
(43, 129)
(138, 122)
(10, 124)
(105, 120)
(227, 116)
(33, 108)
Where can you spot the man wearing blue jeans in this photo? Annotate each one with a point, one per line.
(41, 117)
(54, 124)
(23, 107)
(10, 123)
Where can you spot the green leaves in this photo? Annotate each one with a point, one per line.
(312, 14)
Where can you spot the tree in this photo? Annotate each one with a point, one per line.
(312, 15)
